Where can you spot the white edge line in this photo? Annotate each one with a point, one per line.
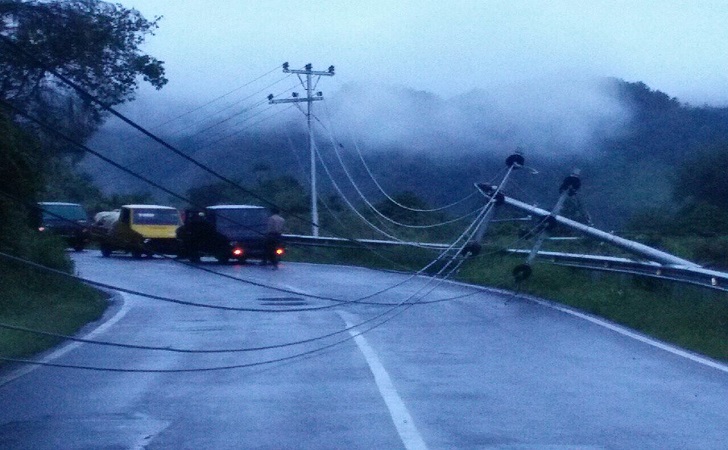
(67, 347)
(610, 326)
(401, 417)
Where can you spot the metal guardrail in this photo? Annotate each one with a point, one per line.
(692, 274)
(343, 242)
(687, 274)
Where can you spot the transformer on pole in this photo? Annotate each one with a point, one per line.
(310, 98)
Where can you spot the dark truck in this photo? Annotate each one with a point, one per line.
(225, 232)
(66, 220)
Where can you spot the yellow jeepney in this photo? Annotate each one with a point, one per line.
(141, 230)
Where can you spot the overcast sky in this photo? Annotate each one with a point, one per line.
(445, 47)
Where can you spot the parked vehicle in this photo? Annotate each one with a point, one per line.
(226, 232)
(67, 220)
(138, 229)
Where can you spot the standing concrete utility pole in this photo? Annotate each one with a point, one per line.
(310, 98)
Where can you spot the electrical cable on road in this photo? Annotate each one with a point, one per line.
(228, 350)
(440, 272)
(229, 308)
(403, 306)
(88, 96)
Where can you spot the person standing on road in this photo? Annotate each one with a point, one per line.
(273, 233)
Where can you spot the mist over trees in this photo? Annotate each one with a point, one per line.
(631, 147)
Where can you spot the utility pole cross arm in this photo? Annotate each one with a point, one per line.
(309, 99)
(294, 100)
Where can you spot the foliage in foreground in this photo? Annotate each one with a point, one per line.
(28, 302)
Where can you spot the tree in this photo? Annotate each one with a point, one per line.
(93, 43)
(704, 179)
(19, 181)
(404, 215)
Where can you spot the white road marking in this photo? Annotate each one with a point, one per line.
(639, 337)
(611, 326)
(397, 410)
(63, 349)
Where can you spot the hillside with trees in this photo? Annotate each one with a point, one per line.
(628, 168)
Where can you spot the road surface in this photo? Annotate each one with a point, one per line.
(461, 368)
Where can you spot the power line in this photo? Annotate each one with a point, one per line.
(404, 306)
(374, 179)
(393, 306)
(221, 97)
(152, 183)
(372, 206)
(86, 95)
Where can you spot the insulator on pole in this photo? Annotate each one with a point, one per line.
(516, 159)
(522, 272)
(472, 248)
(571, 184)
(491, 190)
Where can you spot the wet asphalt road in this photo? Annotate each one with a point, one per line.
(483, 370)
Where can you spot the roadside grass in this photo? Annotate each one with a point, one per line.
(42, 301)
(691, 317)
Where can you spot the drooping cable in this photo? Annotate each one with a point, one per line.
(403, 306)
(374, 208)
(379, 186)
(218, 98)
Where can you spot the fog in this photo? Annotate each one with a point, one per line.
(425, 76)
(555, 117)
